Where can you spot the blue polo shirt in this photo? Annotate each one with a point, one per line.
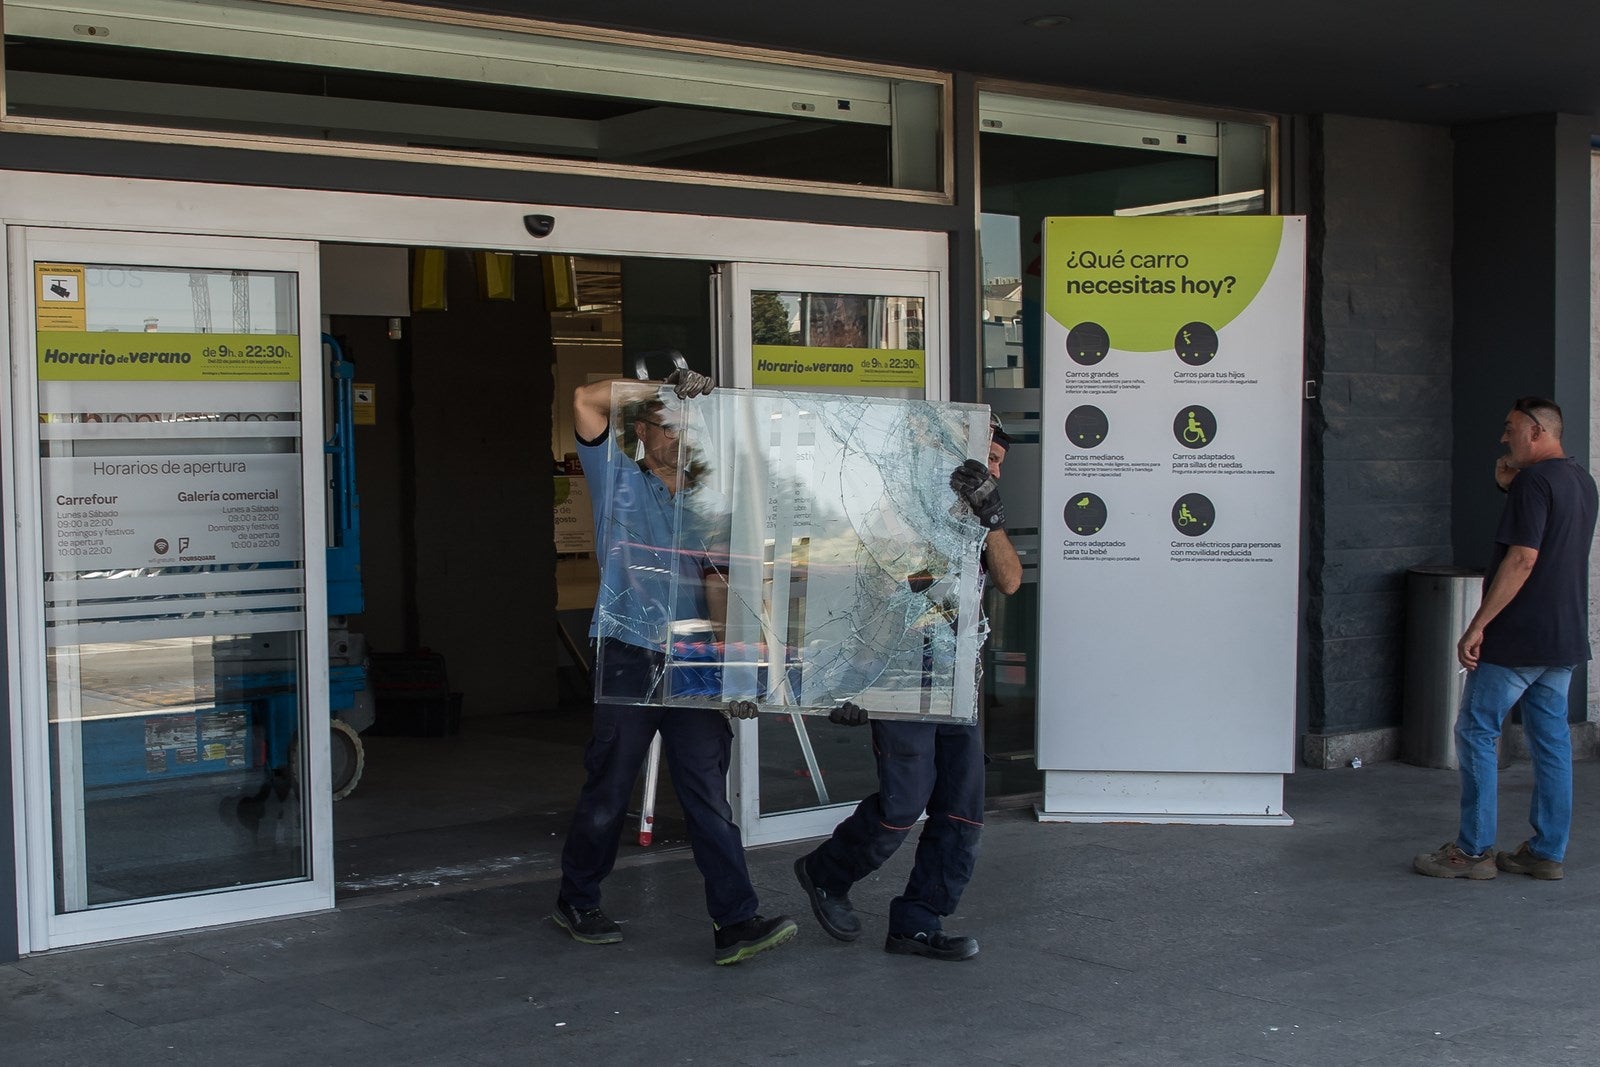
(647, 581)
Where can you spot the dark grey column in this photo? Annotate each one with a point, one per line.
(1521, 295)
(1378, 465)
(966, 269)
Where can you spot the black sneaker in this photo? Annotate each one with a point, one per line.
(589, 925)
(743, 940)
(834, 913)
(935, 945)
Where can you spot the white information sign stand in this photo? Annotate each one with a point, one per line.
(1170, 441)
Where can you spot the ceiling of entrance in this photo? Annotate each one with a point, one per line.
(1424, 61)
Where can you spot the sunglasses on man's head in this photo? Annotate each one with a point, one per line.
(1524, 406)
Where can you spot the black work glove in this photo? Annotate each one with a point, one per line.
(741, 709)
(848, 714)
(974, 484)
(687, 383)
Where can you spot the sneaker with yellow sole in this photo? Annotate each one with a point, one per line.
(755, 934)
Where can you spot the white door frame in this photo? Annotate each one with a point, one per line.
(154, 207)
(38, 924)
(735, 366)
(31, 198)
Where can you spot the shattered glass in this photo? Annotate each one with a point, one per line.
(797, 550)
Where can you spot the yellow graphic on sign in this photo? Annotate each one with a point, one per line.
(1133, 279)
(58, 299)
(785, 366)
(66, 356)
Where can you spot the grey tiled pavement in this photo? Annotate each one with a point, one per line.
(1101, 945)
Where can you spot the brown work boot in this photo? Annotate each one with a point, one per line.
(1451, 862)
(1525, 861)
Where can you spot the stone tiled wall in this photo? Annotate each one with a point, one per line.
(1594, 409)
(1384, 427)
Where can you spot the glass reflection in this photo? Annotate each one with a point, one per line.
(174, 581)
(189, 776)
(837, 343)
(359, 78)
(836, 320)
(815, 554)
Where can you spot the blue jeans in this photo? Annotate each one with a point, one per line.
(1490, 692)
(695, 743)
(921, 766)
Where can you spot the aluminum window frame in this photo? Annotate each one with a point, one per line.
(1134, 106)
(942, 82)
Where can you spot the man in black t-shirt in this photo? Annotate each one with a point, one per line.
(1531, 631)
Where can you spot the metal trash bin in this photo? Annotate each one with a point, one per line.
(1440, 602)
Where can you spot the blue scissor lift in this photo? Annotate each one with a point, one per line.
(273, 694)
(349, 697)
(252, 720)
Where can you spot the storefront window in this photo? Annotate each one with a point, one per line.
(1040, 158)
(301, 73)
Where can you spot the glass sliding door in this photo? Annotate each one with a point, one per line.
(236, 647)
(836, 330)
(168, 676)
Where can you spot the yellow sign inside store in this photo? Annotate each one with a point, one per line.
(58, 299)
(68, 356)
(364, 403)
(786, 366)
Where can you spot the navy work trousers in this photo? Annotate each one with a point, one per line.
(921, 766)
(696, 744)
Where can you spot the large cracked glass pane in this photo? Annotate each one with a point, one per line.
(797, 550)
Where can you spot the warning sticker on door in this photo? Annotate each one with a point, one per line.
(58, 296)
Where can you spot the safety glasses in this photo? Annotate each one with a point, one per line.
(1526, 404)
